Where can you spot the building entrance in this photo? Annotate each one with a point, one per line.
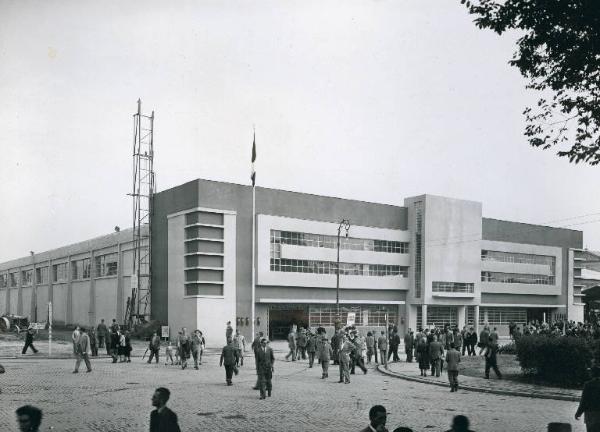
(282, 320)
(538, 314)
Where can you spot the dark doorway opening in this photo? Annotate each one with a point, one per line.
(282, 320)
(538, 314)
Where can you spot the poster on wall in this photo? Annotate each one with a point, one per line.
(351, 318)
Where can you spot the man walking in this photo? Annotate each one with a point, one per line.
(102, 332)
(154, 347)
(491, 359)
(184, 346)
(346, 348)
(383, 346)
(301, 345)
(394, 344)
(255, 347)
(229, 358)
(239, 342)
(29, 341)
(291, 345)
(197, 348)
(93, 342)
(452, 361)
(264, 365)
(75, 338)
(162, 419)
(590, 402)
(228, 331)
(83, 351)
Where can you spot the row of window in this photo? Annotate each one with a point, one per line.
(520, 258)
(325, 315)
(453, 287)
(329, 267)
(441, 315)
(531, 279)
(330, 241)
(106, 265)
(502, 316)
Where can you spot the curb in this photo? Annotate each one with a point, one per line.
(480, 389)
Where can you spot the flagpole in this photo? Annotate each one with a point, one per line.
(253, 313)
(253, 259)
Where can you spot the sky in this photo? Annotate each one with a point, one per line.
(370, 100)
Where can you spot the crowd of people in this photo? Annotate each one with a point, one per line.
(558, 328)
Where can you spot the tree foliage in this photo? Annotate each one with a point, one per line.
(559, 54)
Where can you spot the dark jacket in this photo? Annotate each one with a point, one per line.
(311, 344)
(165, 421)
(590, 397)
(228, 355)
(436, 350)
(264, 360)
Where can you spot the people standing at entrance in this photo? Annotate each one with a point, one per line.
(229, 359)
(491, 359)
(589, 405)
(325, 354)
(382, 344)
(452, 361)
(29, 341)
(239, 342)
(291, 345)
(409, 345)
(83, 351)
(154, 347)
(102, 332)
(162, 419)
(265, 366)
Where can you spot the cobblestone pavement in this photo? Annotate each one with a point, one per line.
(411, 371)
(116, 397)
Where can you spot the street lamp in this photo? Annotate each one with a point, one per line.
(345, 223)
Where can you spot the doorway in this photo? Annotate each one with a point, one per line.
(281, 321)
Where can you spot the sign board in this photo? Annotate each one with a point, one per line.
(164, 331)
(38, 326)
(351, 318)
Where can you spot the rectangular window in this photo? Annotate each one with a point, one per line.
(471, 315)
(27, 277)
(453, 287)
(107, 265)
(502, 315)
(330, 242)
(441, 315)
(372, 315)
(418, 247)
(519, 258)
(3, 280)
(516, 278)
(14, 279)
(80, 269)
(41, 275)
(204, 289)
(330, 267)
(59, 272)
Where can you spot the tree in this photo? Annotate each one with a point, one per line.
(559, 54)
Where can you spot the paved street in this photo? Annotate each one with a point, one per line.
(116, 397)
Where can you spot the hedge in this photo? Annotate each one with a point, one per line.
(558, 360)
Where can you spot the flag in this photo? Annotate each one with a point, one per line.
(253, 175)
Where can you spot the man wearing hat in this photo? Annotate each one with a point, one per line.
(590, 402)
(264, 365)
(325, 353)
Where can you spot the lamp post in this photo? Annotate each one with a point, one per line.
(345, 223)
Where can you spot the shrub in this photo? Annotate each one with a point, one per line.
(558, 360)
(144, 331)
(509, 348)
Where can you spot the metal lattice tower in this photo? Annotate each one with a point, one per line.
(138, 305)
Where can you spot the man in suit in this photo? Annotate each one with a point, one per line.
(229, 358)
(394, 344)
(409, 345)
(382, 344)
(590, 402)
(29, 341)
(377, 419)
(154, 347)
(264, 365)
(292, 345)
(83, 351)
(255, 347)
(102, 332)
(162, 419)
(436, 352)
(452, 360)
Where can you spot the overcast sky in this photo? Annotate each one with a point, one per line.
(370, 100)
